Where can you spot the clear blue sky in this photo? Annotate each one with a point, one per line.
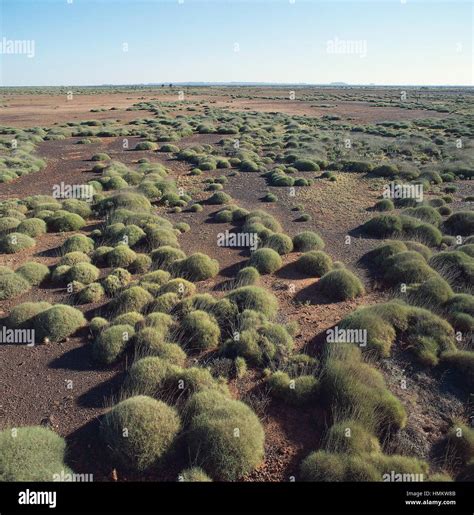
(81, 43)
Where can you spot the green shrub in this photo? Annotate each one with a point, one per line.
(33, 453)
(456, 267)
(8, 224)
(460, 443)
(111, 343)
(73, 258)
(384, 205)
(248, 166)
(340, 284)
(356, 389)
(265, 260)
(100, 157)
(420, 248)
(134, 298)
(32, 227)
(247, 276)
(152, 428)
(460, 223)
(254, 298)
(298, 392)
(180, 286)
(80, 207)
(141, 264)
(199, 331)
(424, 213)
(224, 437)
(224, 216)
(349, 436)
(15, 242)
(462, 363)
(34, 273)
(467, 249)
(63, 221)
(22, 313)
(433, 292)
(219, 197)
(196, 208)
(131, 318)
(165, 256)
(406, 267)
(314, 263)
(146, 145)
(93, 292)
(194, 475)
(307, 240)
(121, 256)
(12, 285)
(158, 237)
(259, 341)
(196, 267)
(85, 273)
(165, 302)
(280, 243)
(305, 165)
(58, 322)
(383, 226)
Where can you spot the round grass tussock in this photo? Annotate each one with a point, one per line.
(15, 242)
(34, 454)
(34, 273)
(307, 240)
(32, 227)
(165, 256)
(78, 243)
(73, 258)
(218, 198)
(111, 343)
(194, 475)
(224, 437)
(254, 298)
(63, 221)
(85, 273)
(152, 427)
(93, 292)
(247, 276)
(460, 223)
(265, 260)
(22, 313)
(134, 298)
(58, 322)
(384, 205)
(199, 331)
(383, 226)
(12, 285)
(340, 284)
(314, 263)
(196, 267)
(121, 256)
(280, 243)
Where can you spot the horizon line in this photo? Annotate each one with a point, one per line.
(340, 84)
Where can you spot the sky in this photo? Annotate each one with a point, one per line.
(92, 42)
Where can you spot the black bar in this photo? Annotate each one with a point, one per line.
(298, 497)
